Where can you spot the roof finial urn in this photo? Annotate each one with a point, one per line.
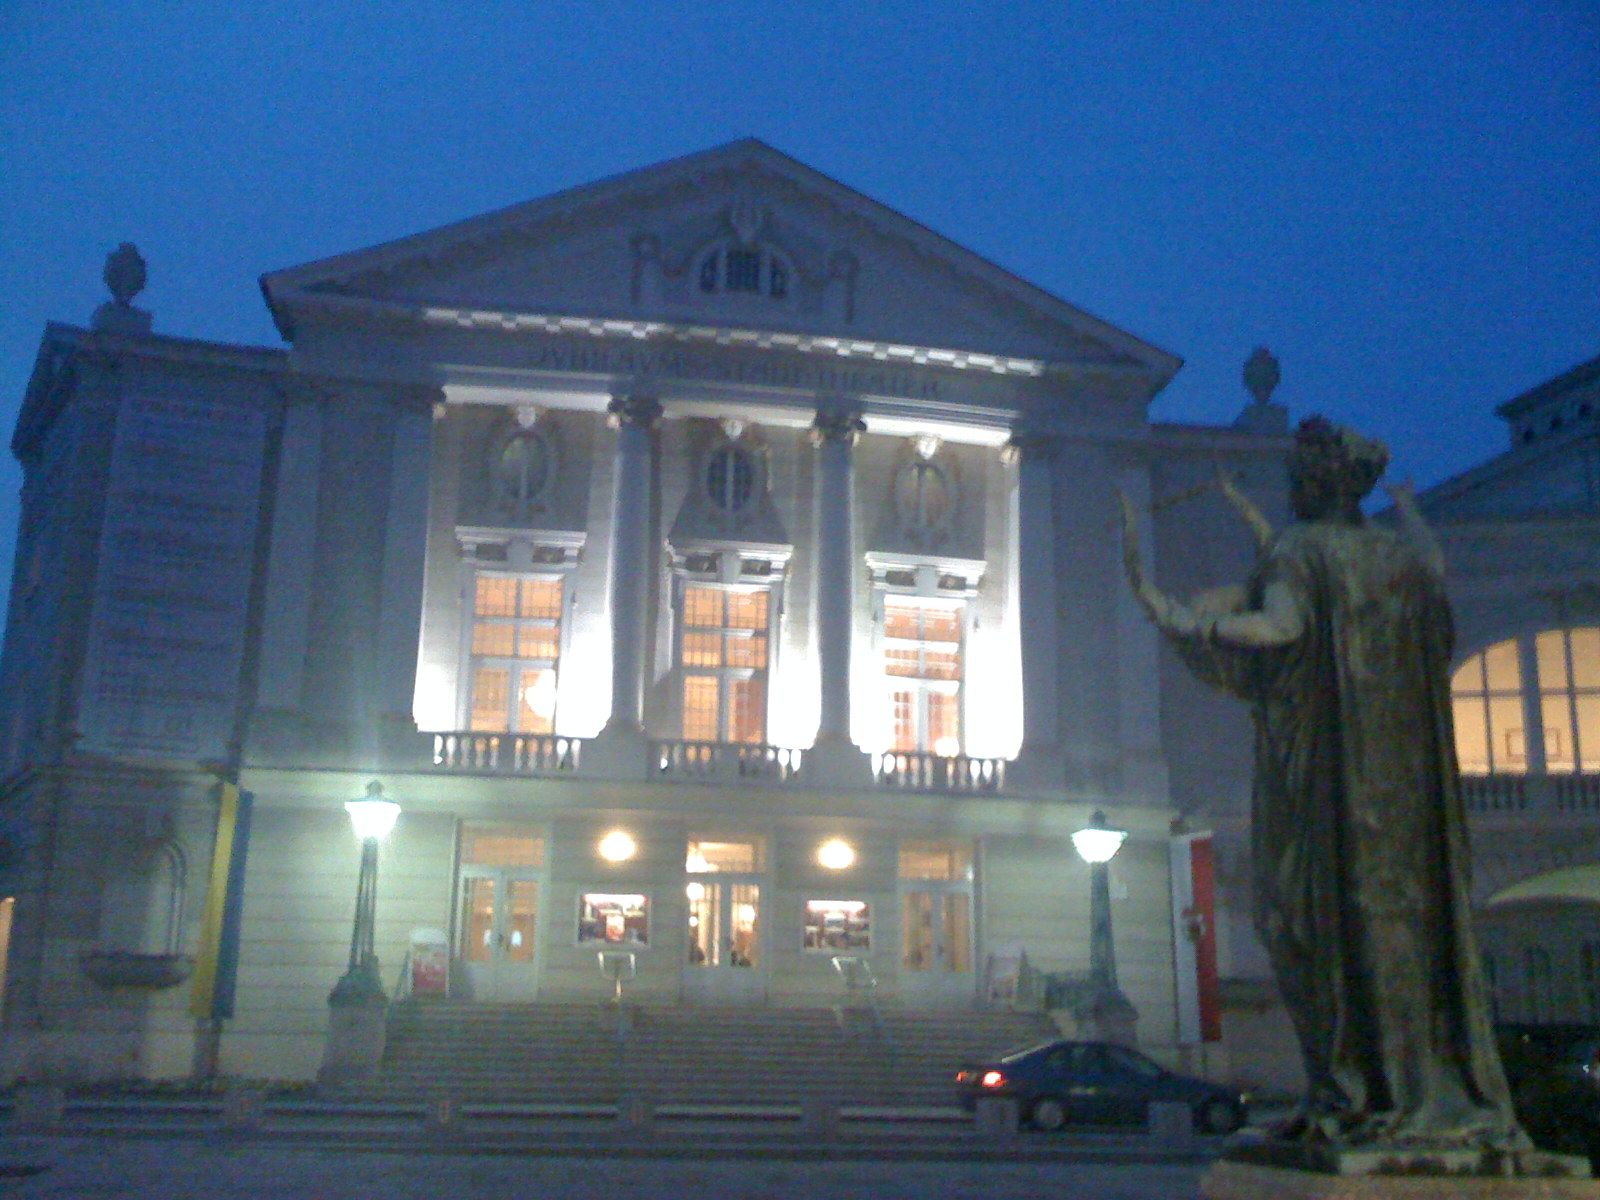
(125, 273)
(1261, 374)
(125, 276)
(1261, 377)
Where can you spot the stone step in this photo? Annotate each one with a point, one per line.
(547, 1052)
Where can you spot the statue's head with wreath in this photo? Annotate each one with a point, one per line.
(1332, 469)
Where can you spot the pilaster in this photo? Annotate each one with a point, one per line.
(292, 557)
(1039, 764)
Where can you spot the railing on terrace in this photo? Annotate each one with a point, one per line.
(727, 760)
(1492, 795)
(938, 773)
(507, 753)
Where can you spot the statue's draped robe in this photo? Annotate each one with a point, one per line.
(1359, 840)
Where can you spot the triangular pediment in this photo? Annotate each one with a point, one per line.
(738, 237)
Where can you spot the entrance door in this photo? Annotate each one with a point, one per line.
(499, 914)
(724, 940)
(936, 923)
(936, 939)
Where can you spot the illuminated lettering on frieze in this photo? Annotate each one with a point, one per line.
(642, 363)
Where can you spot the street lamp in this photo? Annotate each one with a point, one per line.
(1110, 1010)
(371, 817)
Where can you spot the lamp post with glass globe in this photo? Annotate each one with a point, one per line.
(357, 1006)
(1110, 1012)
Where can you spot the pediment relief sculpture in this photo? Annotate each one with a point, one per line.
(745, 256)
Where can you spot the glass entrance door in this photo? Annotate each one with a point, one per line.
(724, 958)
(500, 912)
(936, 922)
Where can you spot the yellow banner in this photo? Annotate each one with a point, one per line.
(203, 994)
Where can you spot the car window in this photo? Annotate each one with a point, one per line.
(1130, 1063)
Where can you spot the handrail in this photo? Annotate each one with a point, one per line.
(617, 965)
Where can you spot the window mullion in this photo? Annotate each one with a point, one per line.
(1532, 697)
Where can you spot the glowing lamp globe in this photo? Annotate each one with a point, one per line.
(372, 816)
(1098, 843)
(617, 847)
(836, 854)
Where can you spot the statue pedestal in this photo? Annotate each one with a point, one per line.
(1290, 1171)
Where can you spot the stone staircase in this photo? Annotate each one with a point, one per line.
(582, 1054)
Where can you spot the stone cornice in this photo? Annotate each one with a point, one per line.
(64, 347)
(360, 311)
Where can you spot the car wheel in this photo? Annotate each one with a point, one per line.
(1047, 1114)
(1218, 1117)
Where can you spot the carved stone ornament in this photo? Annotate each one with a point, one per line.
(837, 425)
(639, 412)
(745, 218)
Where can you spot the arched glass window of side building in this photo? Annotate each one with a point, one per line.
(1549, 682)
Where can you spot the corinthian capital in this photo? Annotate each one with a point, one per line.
(638, 412)
(837, 423)
(1030, 445)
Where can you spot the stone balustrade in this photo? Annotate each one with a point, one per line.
(938, 773)
(731, 761)
(709, 762)
(1489, 797)
(506, 753)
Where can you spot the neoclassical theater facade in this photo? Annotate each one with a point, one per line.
(718, 568)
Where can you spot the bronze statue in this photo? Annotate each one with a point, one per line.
(1341, 642)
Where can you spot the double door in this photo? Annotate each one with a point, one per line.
(498, 947)
(936, 943)
(725, 952)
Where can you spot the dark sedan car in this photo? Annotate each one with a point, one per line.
(1096, 1083)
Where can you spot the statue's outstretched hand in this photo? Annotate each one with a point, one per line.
(1260, 527)
(1169, 616)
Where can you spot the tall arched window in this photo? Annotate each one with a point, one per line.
(1530, 703)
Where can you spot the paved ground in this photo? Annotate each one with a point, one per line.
(173, 1169)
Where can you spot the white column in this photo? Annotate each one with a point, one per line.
(633, 417)
(835, 760)
(834, 435)
(1039, 760)
(286, 619)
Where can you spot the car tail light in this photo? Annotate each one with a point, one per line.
(963, 1076)
(993, 1079)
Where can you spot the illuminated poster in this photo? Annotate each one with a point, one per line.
(177, 547)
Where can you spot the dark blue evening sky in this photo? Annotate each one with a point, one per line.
(1402, 201)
